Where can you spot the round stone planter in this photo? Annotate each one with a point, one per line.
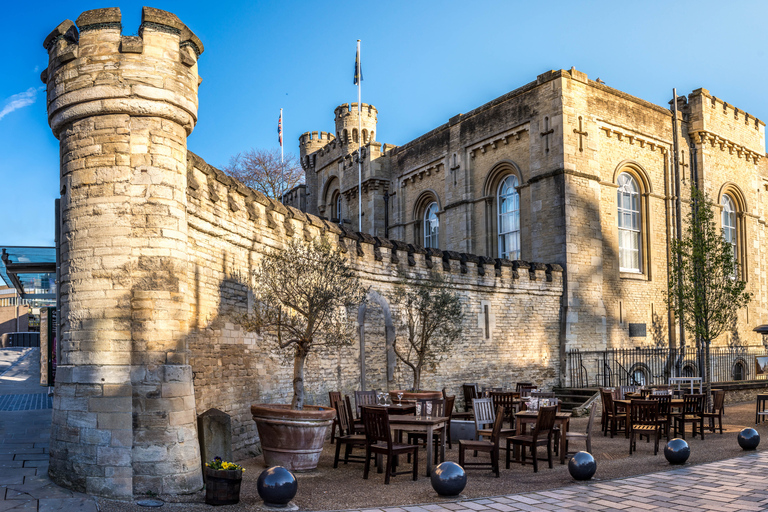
(416, 395)
(292, 439)
(222, 486)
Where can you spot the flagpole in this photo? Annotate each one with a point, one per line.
(359, 147)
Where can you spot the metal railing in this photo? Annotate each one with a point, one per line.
(654, 366)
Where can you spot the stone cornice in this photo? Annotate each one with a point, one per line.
(628, 136)
(702, 136)
(426, 170)
(495, 141)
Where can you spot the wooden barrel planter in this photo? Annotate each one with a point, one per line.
(222, 486)
(289, 438)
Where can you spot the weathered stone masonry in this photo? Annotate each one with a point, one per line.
(156, 250)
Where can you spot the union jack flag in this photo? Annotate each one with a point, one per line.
(280, 129)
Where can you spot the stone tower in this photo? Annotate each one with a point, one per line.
(347, 125)
(122, 108)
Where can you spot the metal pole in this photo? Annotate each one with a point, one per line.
(678, 210)
(359, 147)
(386, 214)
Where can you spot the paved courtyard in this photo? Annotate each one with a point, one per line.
(737, 484)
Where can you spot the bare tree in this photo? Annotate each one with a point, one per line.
(262, 170)
(302, 295)
(429, 315)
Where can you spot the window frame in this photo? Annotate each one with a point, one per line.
(514, 213)
(430, 227)
(635, 227)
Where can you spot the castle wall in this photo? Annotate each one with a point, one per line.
(231, 227)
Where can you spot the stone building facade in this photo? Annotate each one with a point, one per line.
(538, 175)
(156, 252)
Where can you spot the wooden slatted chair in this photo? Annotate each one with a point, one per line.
(347, 436)
(364, 398)
(506, 399)
(521, 385)
(378, 439)
(665, 411)
(612, 416)
(491, 446)
(470, 393)
(644, 420)
(333, 397)
(356, 424)
(718, 406)
(691, 412)
(540, 435)
(582, 436)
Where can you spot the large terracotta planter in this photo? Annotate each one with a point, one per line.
(414, 395)
(292, 439)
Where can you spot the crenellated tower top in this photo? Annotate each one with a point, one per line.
(96, 70)
(346, 117)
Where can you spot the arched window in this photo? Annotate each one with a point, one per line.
(431, 226)
(729, 227)
(336, 206)
(508, 222)
(630, 245)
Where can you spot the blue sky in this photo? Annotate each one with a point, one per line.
(423, 62)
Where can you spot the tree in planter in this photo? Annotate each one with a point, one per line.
(430, 318)
(301, 297)
(705, 289)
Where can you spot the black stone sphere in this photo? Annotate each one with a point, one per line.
(449, 479)
(277, 486)
(582, 466)
(749, 439)
(677, 451)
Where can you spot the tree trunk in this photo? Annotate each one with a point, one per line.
(299, 357)
(707, 377)
(416, 378)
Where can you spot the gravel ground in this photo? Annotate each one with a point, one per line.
(344, 488)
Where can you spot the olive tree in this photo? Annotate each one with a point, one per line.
(705, 288)
(301, 298)
(429, 318)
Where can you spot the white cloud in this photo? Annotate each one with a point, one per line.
(21, 100)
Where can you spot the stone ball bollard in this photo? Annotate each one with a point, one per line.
(277, 486)
(749, 438)
(449, 479)
(677, 451)
(582, 466)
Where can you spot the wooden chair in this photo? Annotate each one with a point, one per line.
(364, 398)
(445, 410)
(506, 399)
(623, 390)
(378, 439)
(579, 436)
(484, 415)
(356, 426)
(691, 412)
(539, 436)
(521, 385)
(333, 397)
(612, 416)
(347, 436)
(525, 391)
(491, 446)
(644, 420)
(665, 412)
(718, 406)
(470, 393)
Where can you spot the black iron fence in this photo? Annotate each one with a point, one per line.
(654, 366)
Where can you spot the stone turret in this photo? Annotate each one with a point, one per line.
(122, 108)
(346, 117)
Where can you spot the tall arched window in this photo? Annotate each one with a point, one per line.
(431, 226)
(729, 226)
(629, 224)
(508, 225)
(337, 213)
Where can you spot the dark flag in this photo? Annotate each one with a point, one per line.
(358, 69)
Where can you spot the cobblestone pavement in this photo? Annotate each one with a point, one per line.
(25, 426)
(735, 485)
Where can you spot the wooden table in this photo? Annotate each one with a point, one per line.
(428, 425)
(396, 409)
(524, 417)
(675, 402)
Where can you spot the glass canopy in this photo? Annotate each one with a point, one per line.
(31, 270)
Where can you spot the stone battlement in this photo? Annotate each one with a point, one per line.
(213, 185)
(350, 109)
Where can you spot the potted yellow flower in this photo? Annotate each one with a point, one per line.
(222, 482)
